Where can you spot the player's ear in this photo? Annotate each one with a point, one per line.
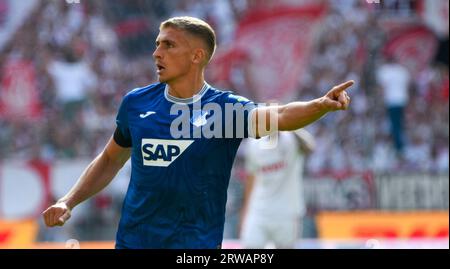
(199, 56)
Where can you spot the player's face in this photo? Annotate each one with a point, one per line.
(173, 54)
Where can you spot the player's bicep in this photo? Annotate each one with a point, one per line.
(265, 121)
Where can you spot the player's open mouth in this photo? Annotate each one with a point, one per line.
(159, 68)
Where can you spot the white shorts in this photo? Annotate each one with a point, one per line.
(258, 232)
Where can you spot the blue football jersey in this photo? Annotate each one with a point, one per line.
(178, 187)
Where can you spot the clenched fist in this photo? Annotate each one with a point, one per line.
(56, 215)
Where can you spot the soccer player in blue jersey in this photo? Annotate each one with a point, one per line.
(180, 172)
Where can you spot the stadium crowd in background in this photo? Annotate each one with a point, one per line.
(86, 56)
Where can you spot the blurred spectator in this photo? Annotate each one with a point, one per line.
(442, 52)
(395, 82)
(73, 79)
(3, 11)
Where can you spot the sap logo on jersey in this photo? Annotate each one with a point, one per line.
(160, 152)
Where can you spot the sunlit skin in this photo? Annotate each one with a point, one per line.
(180, 59)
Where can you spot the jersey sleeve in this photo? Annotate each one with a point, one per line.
(122, 134)
(241, 122)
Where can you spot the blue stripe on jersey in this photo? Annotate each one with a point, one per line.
(178, 187)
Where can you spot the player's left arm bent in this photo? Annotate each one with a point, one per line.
(296, 115)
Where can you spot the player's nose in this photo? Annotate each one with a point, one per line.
(157, 53)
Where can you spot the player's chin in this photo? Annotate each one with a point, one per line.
(162, 79)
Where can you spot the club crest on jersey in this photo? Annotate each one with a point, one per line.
(160, 152)
(199, 118)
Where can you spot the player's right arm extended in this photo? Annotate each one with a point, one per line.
(296, 115)
(95, 177)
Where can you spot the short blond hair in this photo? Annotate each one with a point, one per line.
(196, 27)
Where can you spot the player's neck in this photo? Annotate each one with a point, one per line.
(186, 88)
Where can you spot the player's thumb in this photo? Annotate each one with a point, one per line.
(332, 105)
(64, 217)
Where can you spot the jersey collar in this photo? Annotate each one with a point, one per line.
(189, 100)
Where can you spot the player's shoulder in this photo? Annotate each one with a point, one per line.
(224, 95)
(214, 91)
(142, 94)
(152, 88)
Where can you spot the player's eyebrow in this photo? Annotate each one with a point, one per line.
(164, 41)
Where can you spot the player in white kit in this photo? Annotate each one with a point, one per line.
(273, 197)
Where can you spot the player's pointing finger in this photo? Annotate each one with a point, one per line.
(341, 87)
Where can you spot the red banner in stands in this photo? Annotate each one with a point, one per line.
(414, 47)
(19, 99)
(271, 51)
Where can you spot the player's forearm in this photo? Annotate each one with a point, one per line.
(297, 115)
(95, 177)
